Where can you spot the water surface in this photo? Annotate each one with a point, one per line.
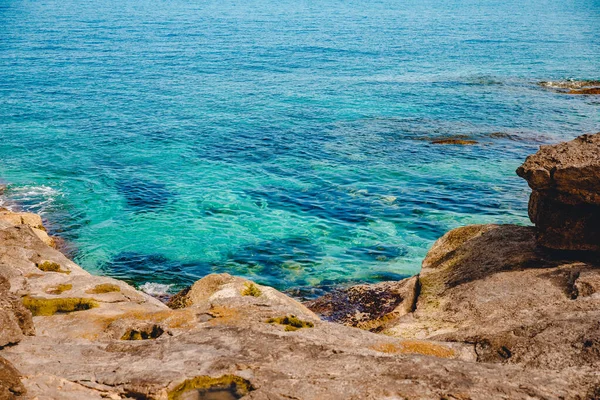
(285, 141)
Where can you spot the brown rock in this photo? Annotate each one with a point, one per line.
(565, 203)
(370, 307)
(492, 286)
(594, 90)
(454, 141)
(15, 320)
(10, 381)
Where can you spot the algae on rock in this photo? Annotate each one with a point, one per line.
(231, 385)
(291, 322)
(104, 288)
(250, 289)
(49, 266)
(59, 289)
(46, 307)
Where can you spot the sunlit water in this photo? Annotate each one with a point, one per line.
(285, 141)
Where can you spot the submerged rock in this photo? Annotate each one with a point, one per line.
(571, 84)
(464, 142)
(565, 203)
(595, 90)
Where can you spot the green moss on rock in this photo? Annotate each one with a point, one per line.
(226, 386)
(180, 300)
(63, 287)
(250, 289)
(151, 332)
(104, 288)
(45, 307)
(49, 266)
(291, 322)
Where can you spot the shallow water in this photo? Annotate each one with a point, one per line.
(283, 141)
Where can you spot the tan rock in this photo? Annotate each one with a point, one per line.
(565, 203)
(21, 218)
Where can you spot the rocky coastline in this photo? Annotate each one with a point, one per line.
(497, 312)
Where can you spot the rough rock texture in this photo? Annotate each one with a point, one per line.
(34, 221)
(15, 319)
(516, 303)
(232, 338)
(371, 307)
(10, 381)
(565, 203)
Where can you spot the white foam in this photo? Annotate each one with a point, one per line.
(36, 198)
(155, 289)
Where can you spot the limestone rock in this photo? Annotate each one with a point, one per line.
(492, 286)
(565, 203)
(215, 289)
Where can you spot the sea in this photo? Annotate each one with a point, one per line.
(288, 142)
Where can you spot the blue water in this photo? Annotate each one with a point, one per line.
(285, 141)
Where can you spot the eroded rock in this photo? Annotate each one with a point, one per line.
(565, 203)
(494, 287)
(15, 319)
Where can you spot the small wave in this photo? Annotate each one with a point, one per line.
(156, 289)
(36, 199)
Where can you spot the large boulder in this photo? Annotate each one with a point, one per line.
(493, 288)
(565, 203)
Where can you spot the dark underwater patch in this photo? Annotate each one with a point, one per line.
(377, 252)
(324, 202)
(274, 253)
(142, 195)
(309, 292)
(137, 268)
(279, 262)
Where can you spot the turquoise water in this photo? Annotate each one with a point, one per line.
(285, 141)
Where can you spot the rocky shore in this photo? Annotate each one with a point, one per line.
(497, 312)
